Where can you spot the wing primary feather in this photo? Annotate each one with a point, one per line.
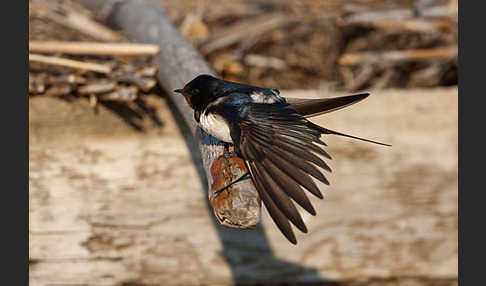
(301, 164)
(295, 173)
(303, 153)
(252, 151)
(276, 215)
(262, 142)
(280, 198)
(262, 137)
(303, 129)
(289, 186)
(302, 143)
(298, 135)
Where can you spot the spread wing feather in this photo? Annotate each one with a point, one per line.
(291, 188)
(280, 198)
(302, 152)
(275, 213)
(279, 147)
(303, 144)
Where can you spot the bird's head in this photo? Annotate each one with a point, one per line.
(199, 91)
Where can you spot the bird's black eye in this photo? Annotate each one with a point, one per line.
(195, 91)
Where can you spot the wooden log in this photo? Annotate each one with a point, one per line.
(108, 206)
(93, 48)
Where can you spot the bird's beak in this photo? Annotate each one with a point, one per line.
(186, 96)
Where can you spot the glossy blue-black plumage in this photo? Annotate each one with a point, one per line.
(282, 149)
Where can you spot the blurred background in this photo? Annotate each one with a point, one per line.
(114, 194)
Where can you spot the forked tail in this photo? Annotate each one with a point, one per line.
(329, 131)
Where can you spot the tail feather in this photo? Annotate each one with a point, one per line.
(313, 107)
(329, 131)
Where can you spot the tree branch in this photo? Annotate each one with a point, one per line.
(179, 62)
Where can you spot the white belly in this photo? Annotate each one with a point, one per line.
(216, 126)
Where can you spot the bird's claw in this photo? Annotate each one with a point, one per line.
(227, 153)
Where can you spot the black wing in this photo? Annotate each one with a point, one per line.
(280, 146)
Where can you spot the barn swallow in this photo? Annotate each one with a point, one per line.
(279, 145)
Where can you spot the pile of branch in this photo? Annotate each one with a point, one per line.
(412, 46)
(265, 47)
(364, 44)
(73, 55)
(109, 79)
(285, 45)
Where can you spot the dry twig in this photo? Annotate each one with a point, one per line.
(265, 62)
(97, 87)
(388, 57)
(411, 25)
(69, 63)
(398, 14)
(82, 23)
(143, 83)
(58, 90)
(92, 48)
(123, 94)
(243, 30)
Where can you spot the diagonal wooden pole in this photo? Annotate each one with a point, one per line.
(178, 63)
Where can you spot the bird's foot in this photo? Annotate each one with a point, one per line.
(228, 150)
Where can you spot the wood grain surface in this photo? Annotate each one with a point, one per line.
(109, 205)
